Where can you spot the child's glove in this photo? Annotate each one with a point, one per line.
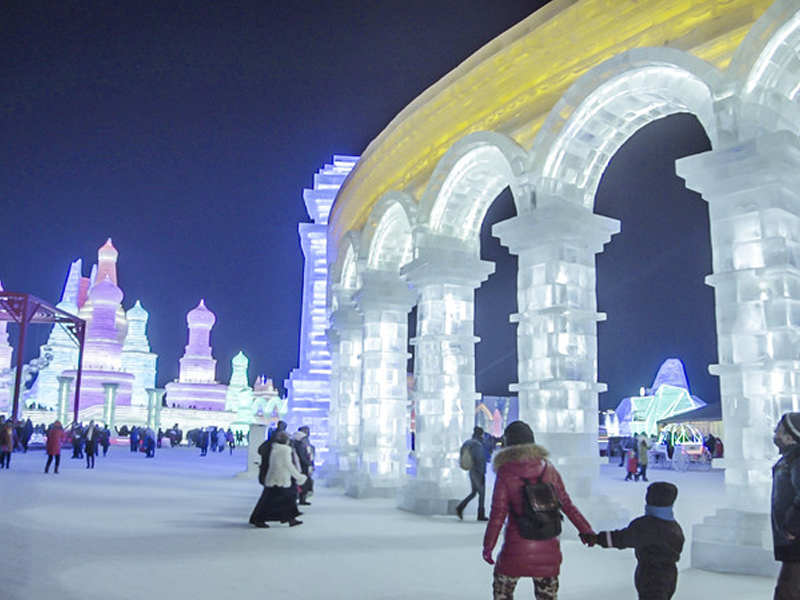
(589, 539)
(487, 556)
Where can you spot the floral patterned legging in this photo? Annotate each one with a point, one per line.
(544, 588)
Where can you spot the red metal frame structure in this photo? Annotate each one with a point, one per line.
(25, 309)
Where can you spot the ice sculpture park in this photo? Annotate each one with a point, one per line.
(541, 110)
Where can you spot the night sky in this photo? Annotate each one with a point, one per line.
(187, 131)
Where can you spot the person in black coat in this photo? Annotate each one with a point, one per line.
(477, 474)
(657, 540)
(786, 506)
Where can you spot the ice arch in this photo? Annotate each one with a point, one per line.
(467, 180)
(609, 104)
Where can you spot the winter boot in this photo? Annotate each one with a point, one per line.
(482, 514)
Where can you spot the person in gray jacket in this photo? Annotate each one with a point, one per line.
(786, 506)
(477, 474)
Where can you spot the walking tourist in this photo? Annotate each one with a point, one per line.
(657, 540)
(786, 506)
(522, 459)
(473, 452)
(55, 434)
(278, 501)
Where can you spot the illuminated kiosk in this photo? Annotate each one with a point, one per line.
(309, 386)
(197, 386)
(668, 396)
(538, 114)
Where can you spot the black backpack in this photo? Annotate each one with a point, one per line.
(541, 510)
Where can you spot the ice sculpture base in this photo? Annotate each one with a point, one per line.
(361, 485)
(734, 541)
(429, 498)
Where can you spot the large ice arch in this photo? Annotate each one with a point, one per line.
(607, 105)
(748, 110)
(467, 180)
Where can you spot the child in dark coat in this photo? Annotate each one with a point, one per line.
(657, 539)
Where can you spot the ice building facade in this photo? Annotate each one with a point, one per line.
(309, 386)
(535, 112)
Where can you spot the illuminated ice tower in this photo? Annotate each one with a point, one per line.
(309, 386)
(106, 328)
(136, 356)
(197, 386)
(239, 385)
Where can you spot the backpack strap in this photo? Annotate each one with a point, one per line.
(543, 471)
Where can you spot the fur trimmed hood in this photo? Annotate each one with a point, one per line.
(522, 452)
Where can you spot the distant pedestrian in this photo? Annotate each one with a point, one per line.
(786, 506)
(7, 442)
(475, 451)
(305, 457)
(55, 435)
(90, 439)
(278, 501)
(633, 466)
(644, 448)
(657, 540)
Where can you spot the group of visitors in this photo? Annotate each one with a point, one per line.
(636, 456)
(212, 439)
(286, 469)
(656, 537)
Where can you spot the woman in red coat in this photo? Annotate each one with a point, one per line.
(54, 435)
(520, 459)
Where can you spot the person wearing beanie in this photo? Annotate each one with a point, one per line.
(476, 453)
(786, 506)
(657, 540)
(522, 459)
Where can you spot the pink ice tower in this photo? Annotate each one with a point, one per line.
(197, 386)
(106, 328)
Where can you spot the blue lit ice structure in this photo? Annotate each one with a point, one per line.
(309, 386)
(668, 396)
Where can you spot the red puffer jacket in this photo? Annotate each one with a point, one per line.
(521, 557)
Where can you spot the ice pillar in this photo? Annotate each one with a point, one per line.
(110, 405)
(64, 396)
(753, 195)
(154, 398)
(444, 371)
(384, 301)
(557, 336)
(345, 338)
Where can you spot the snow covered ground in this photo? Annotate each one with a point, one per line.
(176, 527)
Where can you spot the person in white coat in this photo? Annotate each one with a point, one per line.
(278, 501)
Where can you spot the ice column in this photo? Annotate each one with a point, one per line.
(345, 338)
(557, 332)
(753, 195)
(64, 396)
(110, 405)
(444, 371)
(384, 301)
(154, 401)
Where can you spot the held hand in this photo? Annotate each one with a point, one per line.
(790, 537)
(487, 556)
(589, 539)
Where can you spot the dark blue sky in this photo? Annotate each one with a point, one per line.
(187, 131)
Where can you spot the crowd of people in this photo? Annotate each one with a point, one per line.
(287, 467)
